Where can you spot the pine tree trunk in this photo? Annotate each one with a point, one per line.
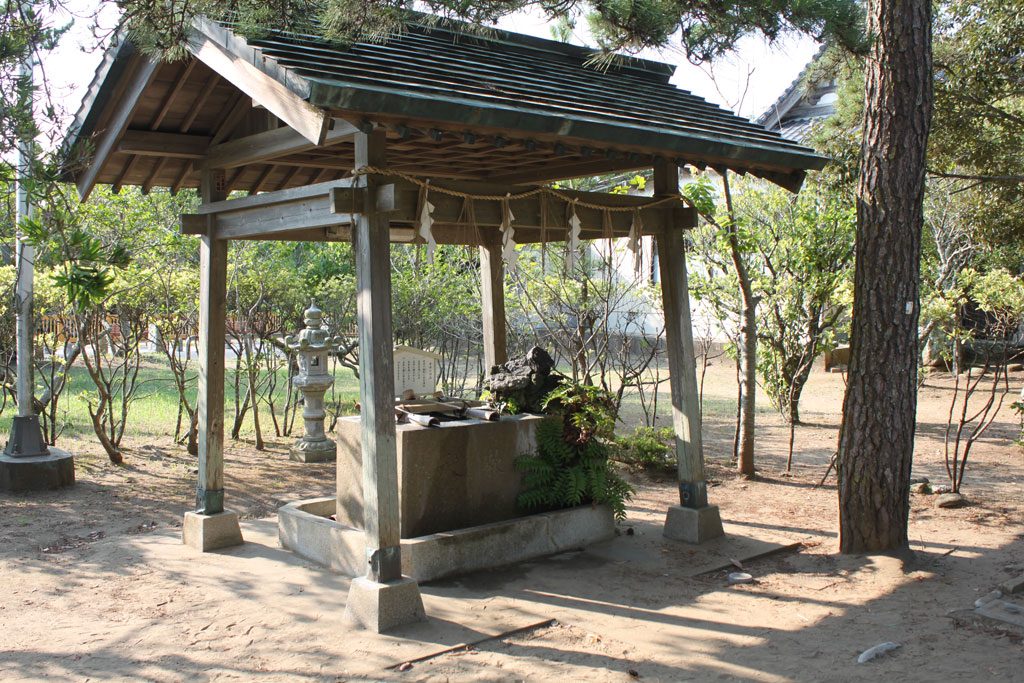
(876, 443)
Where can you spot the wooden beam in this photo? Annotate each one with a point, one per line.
(157, 144)
(273, 87)
(213, 259)
(376, 379)
(271, 144)
(271, 215)
(118, 120)
(448, 209)
(682, 363)
(492, 295)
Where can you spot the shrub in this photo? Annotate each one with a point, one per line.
(649, 448)
(571, 466)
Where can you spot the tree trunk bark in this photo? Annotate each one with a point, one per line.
(876, 442)
(747, 351)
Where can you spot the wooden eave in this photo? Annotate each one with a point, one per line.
(281, 113)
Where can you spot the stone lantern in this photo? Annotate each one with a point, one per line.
(312, 347)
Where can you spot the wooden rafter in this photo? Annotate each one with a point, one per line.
(144, 73)
(172, 95)
(200, 102)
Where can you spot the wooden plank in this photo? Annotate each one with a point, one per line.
(236, 62)
(124, 107)
(492, 294)
(682, 365)
(213, 260)
(376, 379)
(272, 144)
(152, 143)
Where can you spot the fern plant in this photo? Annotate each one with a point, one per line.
(571, 464)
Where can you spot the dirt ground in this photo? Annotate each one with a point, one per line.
(97, 586)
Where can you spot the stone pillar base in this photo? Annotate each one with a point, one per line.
(382, 606)
(37, 473)
(693, 525)
(314, 451)
(210, 532)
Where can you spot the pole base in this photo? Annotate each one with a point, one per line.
(53, 470)
(210, 532)
(380, 607)
(693, 525)
(26, 438)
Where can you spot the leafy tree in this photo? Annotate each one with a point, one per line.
(802, 248)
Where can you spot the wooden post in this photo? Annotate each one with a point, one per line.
(213, 267)
(492, 294)
(371, 241)
(682, 362)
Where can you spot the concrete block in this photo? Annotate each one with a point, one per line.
(458, 475)
(53, 470)
(498, 544)
(211, 532)
(305, 528)
(381, 607)
(693, 525)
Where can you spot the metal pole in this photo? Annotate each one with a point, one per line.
(26, 436)
(24, 260)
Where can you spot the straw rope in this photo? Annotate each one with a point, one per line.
(372, 170)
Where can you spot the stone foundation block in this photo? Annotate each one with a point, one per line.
(37, 473)
(693, 525)
(314, 451)
(211, 532)
(381, 607)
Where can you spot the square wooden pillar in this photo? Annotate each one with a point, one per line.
(211, 526)
(492, 295)
(383, 598)
(693, 520)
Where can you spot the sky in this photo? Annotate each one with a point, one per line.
(747, 82)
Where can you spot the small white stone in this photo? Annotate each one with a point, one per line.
(876, 651)
(735, 578)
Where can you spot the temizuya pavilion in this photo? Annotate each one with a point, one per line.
(337, 143)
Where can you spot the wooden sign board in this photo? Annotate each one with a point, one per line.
(416, 370)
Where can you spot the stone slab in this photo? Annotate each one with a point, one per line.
(326, 451)
(458, 475)
(1013, 586)
(305, 528)
(53, 470)
(380, 607)
(1004, 611)
(211, 532)
(693, 525)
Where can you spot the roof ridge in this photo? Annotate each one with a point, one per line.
(432, 23)
(774, 106)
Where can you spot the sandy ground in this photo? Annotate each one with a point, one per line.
(97, 586)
